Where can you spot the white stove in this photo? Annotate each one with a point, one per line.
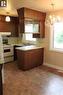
(6, 50)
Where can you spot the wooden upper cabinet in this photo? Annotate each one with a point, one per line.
(14, 26)
(30, 16)
(11, 26)
(36, 15)
(4, 26)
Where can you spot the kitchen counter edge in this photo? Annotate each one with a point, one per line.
(26, 48)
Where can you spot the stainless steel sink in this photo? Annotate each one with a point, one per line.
(27, 44)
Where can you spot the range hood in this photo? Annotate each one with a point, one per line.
(5, 33)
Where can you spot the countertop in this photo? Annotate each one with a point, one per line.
(25, 48)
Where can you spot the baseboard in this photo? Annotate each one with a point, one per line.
(60, 69)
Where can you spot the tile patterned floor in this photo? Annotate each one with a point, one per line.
(37, 81)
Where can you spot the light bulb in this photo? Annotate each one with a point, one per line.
(58, 19)
(7, 19)
(50, 17)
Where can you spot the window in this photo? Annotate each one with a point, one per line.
(32, 27)
(30, 37)
(57, 36)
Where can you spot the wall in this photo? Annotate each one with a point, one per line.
(52, 58)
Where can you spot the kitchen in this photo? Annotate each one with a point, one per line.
(10, 40)
(38, 39)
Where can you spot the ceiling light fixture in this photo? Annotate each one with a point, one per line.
(52, 18)
(7, 18)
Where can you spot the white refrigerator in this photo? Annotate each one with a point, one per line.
(1, 51)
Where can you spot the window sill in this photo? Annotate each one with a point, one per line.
(56, 50)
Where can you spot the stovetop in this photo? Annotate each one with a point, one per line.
(7, 45)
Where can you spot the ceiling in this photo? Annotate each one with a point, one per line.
(40, 5)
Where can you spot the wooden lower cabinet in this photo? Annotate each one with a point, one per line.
(30, 58)
(1, 85)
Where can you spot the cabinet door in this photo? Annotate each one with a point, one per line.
(34, 58)
(42, 29)
(21, 26)
(14, 29)
(4, 26)
(14, 26)
(36, 35)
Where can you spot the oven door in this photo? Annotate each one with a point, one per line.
(8, 51)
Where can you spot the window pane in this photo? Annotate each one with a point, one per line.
(30, 37)
(28, 27)
(36, 28)
(58, 35)
(31, 27)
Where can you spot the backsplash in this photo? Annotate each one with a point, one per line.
(12, 40)
(19, 40)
